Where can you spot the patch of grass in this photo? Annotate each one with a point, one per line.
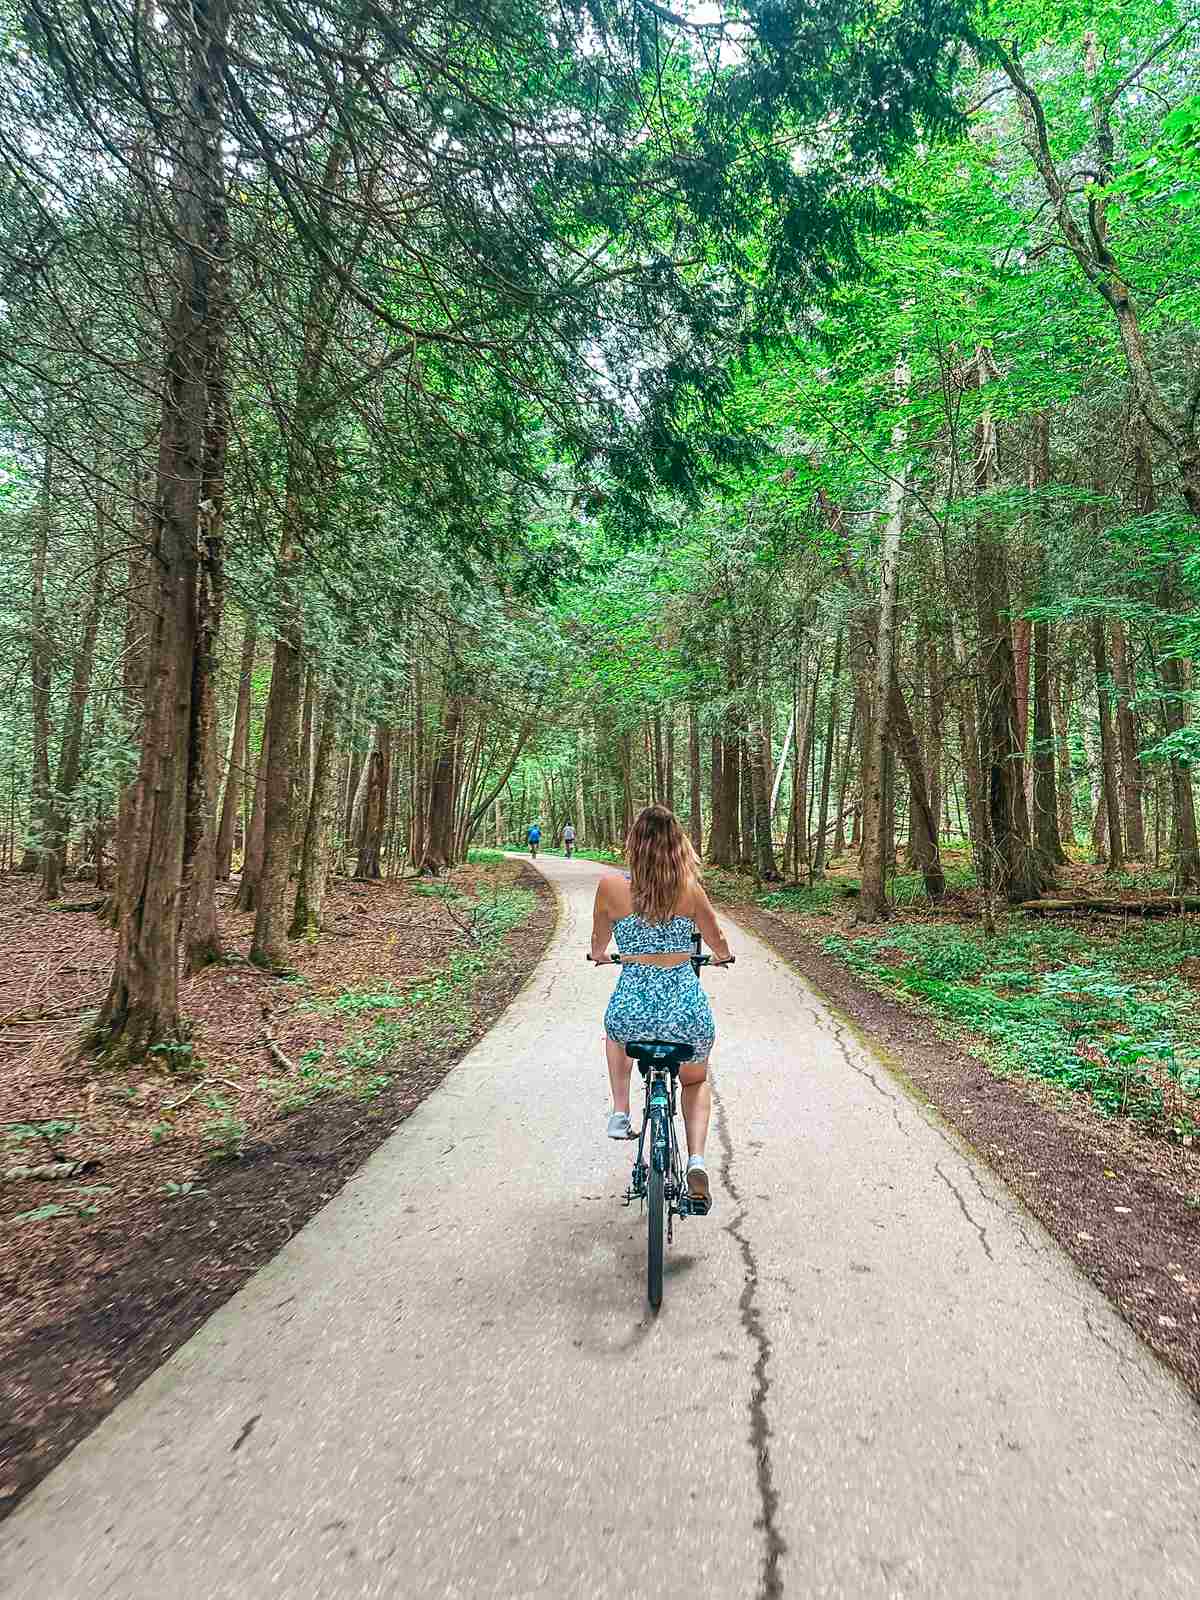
(1094, 1014)
(483, 858)
(824, 897)
(436, 1010)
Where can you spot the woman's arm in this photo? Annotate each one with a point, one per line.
(710, 929)
(602, 926)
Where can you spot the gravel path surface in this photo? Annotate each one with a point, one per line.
(873, 1374)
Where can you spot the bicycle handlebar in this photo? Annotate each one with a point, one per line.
(703, 961)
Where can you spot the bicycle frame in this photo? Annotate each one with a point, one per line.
(658, 1146)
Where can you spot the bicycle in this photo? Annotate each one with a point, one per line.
(569, 848)
(658, 1180)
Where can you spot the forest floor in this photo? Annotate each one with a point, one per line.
(1064, 1049)
(132, 1204)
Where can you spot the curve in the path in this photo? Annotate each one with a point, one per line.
(873, 1374)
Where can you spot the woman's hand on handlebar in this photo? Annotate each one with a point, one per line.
(602, 959)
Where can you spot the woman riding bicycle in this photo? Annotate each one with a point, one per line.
(655, 914)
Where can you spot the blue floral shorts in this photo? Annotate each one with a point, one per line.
(652, 1002)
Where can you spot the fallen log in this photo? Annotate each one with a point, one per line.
(1161, 906)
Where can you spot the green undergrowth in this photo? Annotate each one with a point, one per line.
(827, 895)
(1107, 1016)
(435, 1010)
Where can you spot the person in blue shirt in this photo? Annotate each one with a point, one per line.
(534, 837)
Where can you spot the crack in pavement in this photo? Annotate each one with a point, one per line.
(770, 1585)
(962, 1206)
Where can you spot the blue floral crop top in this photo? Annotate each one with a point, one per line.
(636, 937)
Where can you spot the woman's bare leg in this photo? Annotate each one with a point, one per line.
(696, 1099)
(619, 1069)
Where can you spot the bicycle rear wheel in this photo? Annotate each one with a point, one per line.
(655, 1206)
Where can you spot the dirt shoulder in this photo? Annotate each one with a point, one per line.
(194, 1172)
(1124, 1206)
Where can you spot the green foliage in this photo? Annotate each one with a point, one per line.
(223, 1135)
(50, 1131)
(1106, 1018)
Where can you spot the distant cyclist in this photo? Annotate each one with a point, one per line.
(655, 914)
(569, 839)
(534, 838)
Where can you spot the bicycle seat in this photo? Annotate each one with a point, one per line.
(664, 1053)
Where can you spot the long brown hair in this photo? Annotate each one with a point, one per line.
(661, 863)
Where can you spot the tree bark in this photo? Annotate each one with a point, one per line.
(760, 793)
(1012, 862)
(819, 852)
(1060, 707)
(314, 863)
(370, 847)
(142, 1006)
(1132, 779)
(202, 934)
(718, 831)
(439, 852)
(872, 901)
(695, 818)
(41, 655)
(924, 823)
(1108, 750)
(1044, 809)
(59, 815)
(252, 857)
(239, 761)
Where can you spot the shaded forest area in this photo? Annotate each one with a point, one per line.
(416, 427)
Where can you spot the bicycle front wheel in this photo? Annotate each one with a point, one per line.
(654, 1256)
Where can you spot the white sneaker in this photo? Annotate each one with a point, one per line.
(697, 1178)
(619, 1126)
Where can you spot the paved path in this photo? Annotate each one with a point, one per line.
(873, 1374)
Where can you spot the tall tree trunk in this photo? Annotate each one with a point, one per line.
(923, 823)
(718, 829)
(1044, 808)
(1108, 750)
(314, 863)
(1045, 787)
(1022, 631)
(872, 901)
(439, 852)
(304, 498)
(659, 774)
(370, 847)
(41, 654)
(579, 820)
(820, 851)
(1012, 858)
(239, 760)
(843, 783)
(201, 931)
(1174, 689)
(142, 1006)
(1132, 780)
(59, 811)
(760, 793)
(933, 724)
(626, 749)
(1060, 708)
(252, 856)
(731, 775)
(695, 820)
